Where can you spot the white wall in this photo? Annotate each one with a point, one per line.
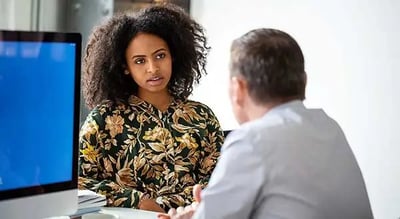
(352, 52)
(15, 14)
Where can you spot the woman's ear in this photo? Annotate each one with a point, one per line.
(126, 70)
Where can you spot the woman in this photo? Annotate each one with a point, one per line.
(145, 144)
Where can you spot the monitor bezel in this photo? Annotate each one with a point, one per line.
(75, 38)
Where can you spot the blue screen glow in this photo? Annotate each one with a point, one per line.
(37, 82)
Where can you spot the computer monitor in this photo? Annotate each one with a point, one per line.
(39, 123)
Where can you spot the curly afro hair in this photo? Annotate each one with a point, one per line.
(104, 61)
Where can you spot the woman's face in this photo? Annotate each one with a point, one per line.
(149, 62)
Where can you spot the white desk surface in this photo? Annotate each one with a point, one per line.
(120, 213)
(128, 213)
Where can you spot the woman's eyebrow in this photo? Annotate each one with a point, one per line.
(141, 56)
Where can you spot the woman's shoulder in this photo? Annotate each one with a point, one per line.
(195, 104)
(107, 107)
(199, 107)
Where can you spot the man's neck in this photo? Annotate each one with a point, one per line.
(257, 110)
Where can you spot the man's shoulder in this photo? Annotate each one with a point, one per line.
(259, 132)
(244, 133)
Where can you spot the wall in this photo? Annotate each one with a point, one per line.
(352, 54)
(51, 15)
(15, 14)
(55, 15)
(82, 16)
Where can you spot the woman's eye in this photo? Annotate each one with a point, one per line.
(139, 61)
(160, 56)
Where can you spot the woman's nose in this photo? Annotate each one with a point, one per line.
(152, 67)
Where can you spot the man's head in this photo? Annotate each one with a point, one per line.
(267, 68)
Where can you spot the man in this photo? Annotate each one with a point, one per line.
(285, 161)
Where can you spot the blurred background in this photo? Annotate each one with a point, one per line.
(68, 16)
(352, 54)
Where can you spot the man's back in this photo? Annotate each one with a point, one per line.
(292, 163)
(309, 168)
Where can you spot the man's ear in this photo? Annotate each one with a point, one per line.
(305, 78)
(238, 90)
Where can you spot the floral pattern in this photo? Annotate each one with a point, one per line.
(130, 148)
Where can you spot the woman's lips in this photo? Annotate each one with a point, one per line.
(155, 81)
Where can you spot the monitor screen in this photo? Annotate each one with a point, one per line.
(39, 113)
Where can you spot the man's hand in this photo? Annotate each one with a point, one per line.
(188, 211)
(150, 205)
(197, 193)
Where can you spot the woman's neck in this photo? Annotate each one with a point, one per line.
(160, 100)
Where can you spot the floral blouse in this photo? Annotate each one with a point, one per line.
(130, 149)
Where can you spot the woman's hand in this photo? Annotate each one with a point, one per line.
(150, 205)
(188, 211)
(180, 213)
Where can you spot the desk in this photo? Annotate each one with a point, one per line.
(128, 213)
(122, 213)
